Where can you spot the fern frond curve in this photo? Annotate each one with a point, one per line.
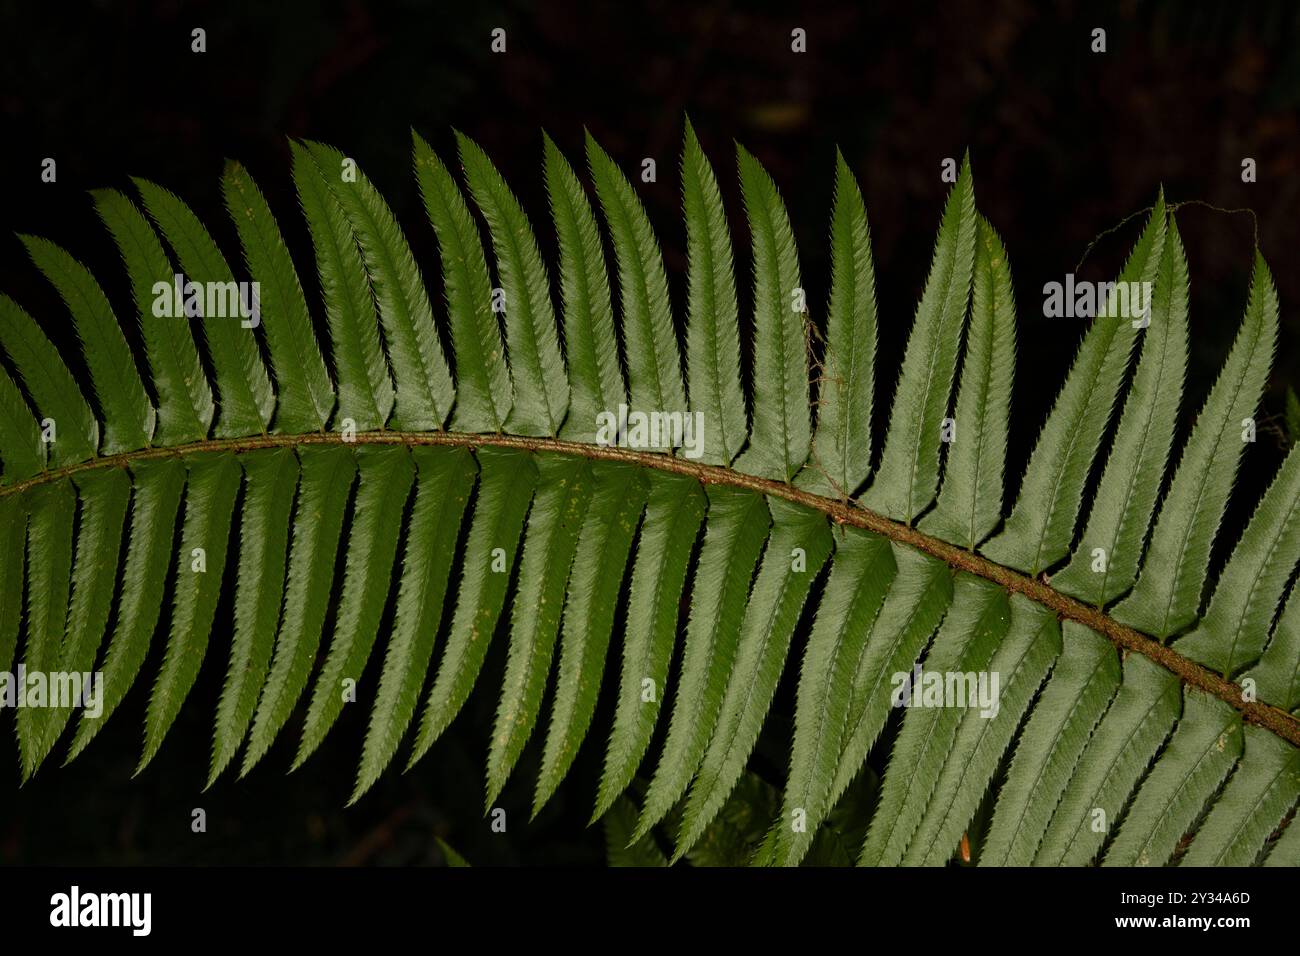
(500, 487)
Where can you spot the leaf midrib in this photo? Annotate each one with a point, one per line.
(1266, 716)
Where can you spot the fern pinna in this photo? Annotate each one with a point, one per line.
(495, 473)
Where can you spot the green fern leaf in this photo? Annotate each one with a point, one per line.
(507, 479)
(918, 599)
(270, 480)
(1022, 661)
(444, 480)
(1286, 851)
(970, 501)
(102, 499)
(386, 478)
(1200, 755)
(908, 473)
(155, 508)
(1138, 721)
(210, 492)
(1074, 703)
(595, 379)
(674, 512)
(1041, 525)
(1166, 600)
(541, 385)
(654, 369)
(128, 416)
(1277, 675)
(323, 493)
(1234, 628)
(604, 544)
(484, 390)
(246, 399)
(305, 398)
(781, 432)
(799, 546)
(49, 570)
(365, 389)
(1122, 509)
(564, 490)
(13, 561)
(841, 445)
(424, 390)
(965, 644)
(713, 330)
(20, 436)
(734, 534)
(1264, 787)
(1082, 684)
(66, 415)
(860, 578)
(185, 406)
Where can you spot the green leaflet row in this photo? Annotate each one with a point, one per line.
(391, 467)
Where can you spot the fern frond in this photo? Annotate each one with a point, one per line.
(640, 526)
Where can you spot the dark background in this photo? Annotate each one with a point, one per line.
(1064, 143)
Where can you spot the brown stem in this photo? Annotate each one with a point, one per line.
(1189, 672)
